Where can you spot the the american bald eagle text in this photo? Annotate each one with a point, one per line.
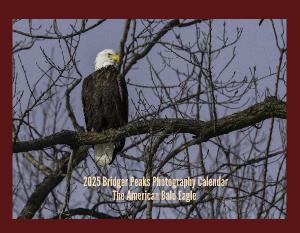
(105, 103)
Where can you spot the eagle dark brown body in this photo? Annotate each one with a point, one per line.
(105, 102)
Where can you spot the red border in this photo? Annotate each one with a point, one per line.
(139, 9)
(6, 119)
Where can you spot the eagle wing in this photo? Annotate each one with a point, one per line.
(105, 100)
(87, 99)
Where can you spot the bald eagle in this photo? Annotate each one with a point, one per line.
(105, 103)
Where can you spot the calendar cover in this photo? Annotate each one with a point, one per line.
(149, 118)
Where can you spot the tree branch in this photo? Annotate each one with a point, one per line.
(69, 107)
(86, 212)
(173, 23)
(59, 37)
(49, 183)
(269, 108)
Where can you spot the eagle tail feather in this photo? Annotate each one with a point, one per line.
(104, 154)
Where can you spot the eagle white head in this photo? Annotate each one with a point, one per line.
(105, 58)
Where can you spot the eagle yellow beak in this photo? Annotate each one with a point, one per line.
(115, 57)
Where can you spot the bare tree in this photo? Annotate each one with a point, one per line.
(192, 114)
